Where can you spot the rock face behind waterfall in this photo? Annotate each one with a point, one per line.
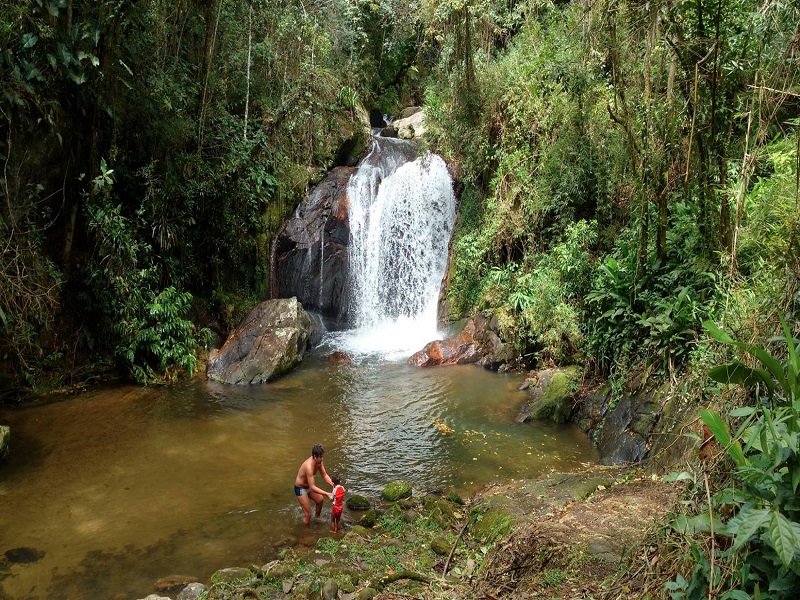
(270, 341)
(478, 343)
(309, 258)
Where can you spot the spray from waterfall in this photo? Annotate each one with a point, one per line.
(401, 213)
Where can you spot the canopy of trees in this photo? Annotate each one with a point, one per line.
(628, 169)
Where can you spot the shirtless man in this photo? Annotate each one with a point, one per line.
(304, 486)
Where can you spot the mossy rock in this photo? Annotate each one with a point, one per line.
(556, 402)
(396, 490)
(357, 530)
(367, 593)
(230, 574)
(356, 502)
(369, 519)
(280, 572)
(330, 589)
(453, 496)
(490, 525)
(440, 546)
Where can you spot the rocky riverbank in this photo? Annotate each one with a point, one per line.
(565, 535)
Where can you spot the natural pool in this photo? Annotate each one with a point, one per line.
(124, 486)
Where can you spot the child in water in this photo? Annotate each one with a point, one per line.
(337, 498)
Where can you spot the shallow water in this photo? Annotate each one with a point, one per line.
(124, 486)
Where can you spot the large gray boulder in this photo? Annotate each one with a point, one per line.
(411, 127)
(271, 341)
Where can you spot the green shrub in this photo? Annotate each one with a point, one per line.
(764, 529)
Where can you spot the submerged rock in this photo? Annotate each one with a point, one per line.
(271, 341)
(23, 555)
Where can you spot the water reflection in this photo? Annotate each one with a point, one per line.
(124, 486)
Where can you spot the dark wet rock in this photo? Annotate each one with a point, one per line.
(409, 502)
(271, 341)
(173, 583)
(310, 253)
(340, 358)
(5, 439)
(478, 342)
(396, 490)
(410, 516)
(356, 502)
(623, 423)
(376, 118)
(389, 132)
(356, 144)
(23, 555)
(191, 591)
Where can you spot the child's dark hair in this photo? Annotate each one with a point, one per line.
(336, 479)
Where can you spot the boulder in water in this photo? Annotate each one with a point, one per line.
(411, 127)
(478, 343)
(271, 341)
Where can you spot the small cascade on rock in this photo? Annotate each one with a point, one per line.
(402, 211)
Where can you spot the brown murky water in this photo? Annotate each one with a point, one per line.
(124, 486)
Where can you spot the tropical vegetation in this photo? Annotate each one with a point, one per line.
(627, 172)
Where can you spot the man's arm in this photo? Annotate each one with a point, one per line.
(312, 484)
(324, 474)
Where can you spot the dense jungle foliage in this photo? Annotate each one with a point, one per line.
(628, 171)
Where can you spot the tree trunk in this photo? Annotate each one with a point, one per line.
(213, 12)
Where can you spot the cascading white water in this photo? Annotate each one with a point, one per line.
(401, 217)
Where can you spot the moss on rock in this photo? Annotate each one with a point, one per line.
(396, 490)
(490, 525)
(356, 502)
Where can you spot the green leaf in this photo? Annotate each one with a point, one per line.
(683, 476)
(717, 333)
(735, 373)
(29, 40)
(747, 524)
(720, 430)
(783, 538)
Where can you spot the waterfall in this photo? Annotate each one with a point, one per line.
(401, 213)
